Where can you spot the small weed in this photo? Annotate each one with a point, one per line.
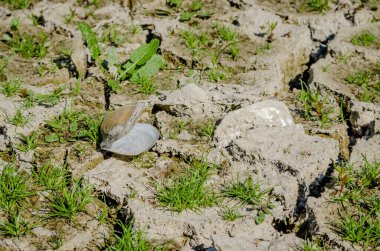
(15, 23)
(368, 81)
(102, 217)
(326, 68)
(226, 34)
(231, 214)
(234, 51)
(11, 87)
(314, 107)
(28, 46)
(270, 29)
(80, 151)
(187, 191)
(186, 16)
(129, 238)
(72, 125)
(88, 3)
(136, 29)
(50, 99)
(196, 5)
(370, 174)
(76, 89)
(15, 226)
(247, 192)
(50, 176)
(56, 241)
(68, 201)
(70, 17)
(315, 5)
(216, 75)
(146, 86)
(344, 171)
(342, 58)
(191, 40)
(3, 64)
(28, 142)
(112, 35)
(178, 129)
(14, 187)
(175, 3)
(207, 130)
(268, 46)
(364, 39)
(355, 228)
(314, 245)
(18, 4)
(35, 19)
(18, 119)
(358, 222)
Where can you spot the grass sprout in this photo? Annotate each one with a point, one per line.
(314, 107)
(187, 191)
(15, 226)
(68, 201)
(231, 214)
(129, 238)
(11, 87)
(14, 187)
(28, 142)
(365, 38)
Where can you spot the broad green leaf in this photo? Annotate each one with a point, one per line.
(130, 67)
(142, 54)
(92, 41)
(150, 69)
(51, 138)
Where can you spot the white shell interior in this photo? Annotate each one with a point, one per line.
(140, 138)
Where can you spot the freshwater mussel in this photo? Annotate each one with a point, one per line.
(122, 135)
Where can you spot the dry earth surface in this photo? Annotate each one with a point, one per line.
(268, 113)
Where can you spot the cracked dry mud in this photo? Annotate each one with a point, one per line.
(250, 124)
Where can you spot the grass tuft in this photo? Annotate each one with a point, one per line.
(28, 142)
(368, 83)
(14, 187)
(364, 39)
(188, 191)
(68, 201)
(314, 107)
(15, 226)
(11, 87)
(359, 219)
(128, 238)
(231, 214)
(247, 192)
(28, 46)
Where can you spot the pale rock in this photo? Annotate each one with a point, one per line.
(236, 123)
(287, 242)
(117, 179)
(190, 100)
(369, 148)
(363, 117)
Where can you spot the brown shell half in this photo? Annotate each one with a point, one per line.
(119, 122)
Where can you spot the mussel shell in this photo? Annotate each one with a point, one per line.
(119, 122)
(139, 139)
